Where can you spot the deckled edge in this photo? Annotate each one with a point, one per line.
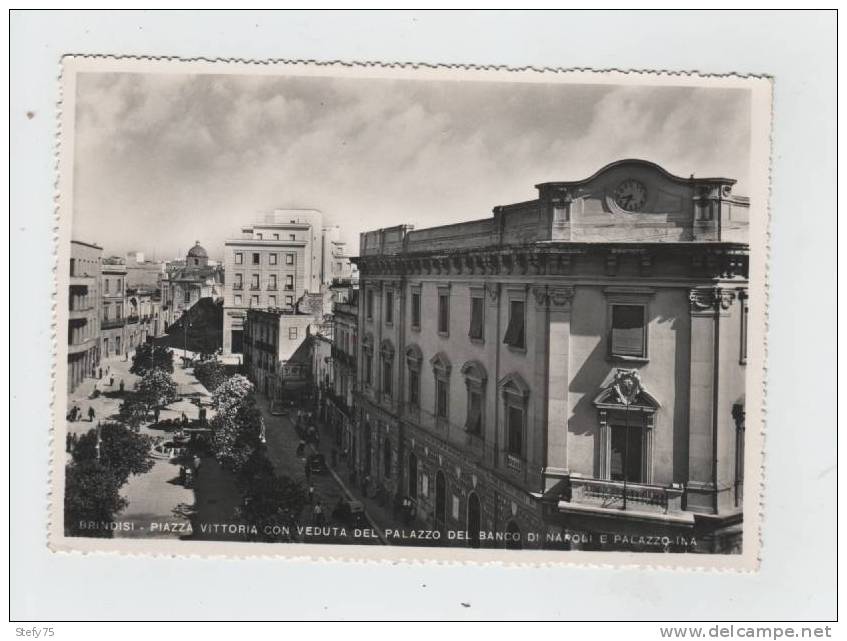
(59, 548)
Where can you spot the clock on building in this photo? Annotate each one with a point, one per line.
(630, 195)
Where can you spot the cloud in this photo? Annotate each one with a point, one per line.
(163, 159)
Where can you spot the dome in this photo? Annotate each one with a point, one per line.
(197, 251)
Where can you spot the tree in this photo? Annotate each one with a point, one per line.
(211, 373)
(232, 393)
(236, 435)
(155, 390)
(92, 499)
(148, 357)
(121, 450)
(268, 500)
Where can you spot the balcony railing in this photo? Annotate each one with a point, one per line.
(111, 323)
(238, 286)
(254, 288)
(272, 288)
(132, 319)
(609, 494)
(514, 463)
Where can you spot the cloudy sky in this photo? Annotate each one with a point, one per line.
(163, 160)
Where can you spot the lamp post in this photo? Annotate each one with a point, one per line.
(627, 384)
(185, 327)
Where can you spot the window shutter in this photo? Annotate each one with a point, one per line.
(628, 330)
(515, 334)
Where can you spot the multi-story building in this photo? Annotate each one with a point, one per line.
(338, 398)
(142, 316)
(113, 299)
(490, 353)
(83, 312)
(142, 273)
(277, 350)
(274, 264)
(185, 282)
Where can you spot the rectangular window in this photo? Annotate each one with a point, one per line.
(514, 430)
(238, 299)
(292, 237)
(441, 398)
(239, 258)
(276, 236)
(107, 286)
(628, 336)
(289, 282)
(289, 259)
(626, 456)
(370, 304)
(414, 388)
(416, 310)
(292, 333)
(272, 282)
(239, 282)
(254, 301)
(120, 286)
(474, 422)
(443, 313)
(254, 281)
(476, 329)
(271, 301)
(187, 296)
(289, 301)
(745, 311)
(516, 331)
(369, 368)
(256, 258)
(258, 236)
(389, 307)
(386, 377)
(272, 259)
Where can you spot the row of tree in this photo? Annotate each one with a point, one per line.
(103, 459)
(268, 498)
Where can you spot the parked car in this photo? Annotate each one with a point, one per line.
(350, 512)
(280, 407)
(317, 464)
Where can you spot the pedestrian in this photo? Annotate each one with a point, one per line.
(111, 381)
(318, 514)
(90, 414)
(311, 493)
(68, 442)
(100, 373)
(121, 387)
(197, 466)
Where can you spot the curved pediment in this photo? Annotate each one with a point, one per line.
(611, 397)
(414, 354)
(475, 371)
(441, 362)
(386, 348)
(513, 383)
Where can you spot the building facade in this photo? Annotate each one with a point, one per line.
(83, 312)
(186, 281)
(338, 397)
(276, 350)
(491, 354)
(113, 334)
(275, 263)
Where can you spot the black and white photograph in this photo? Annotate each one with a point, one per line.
(426, 310)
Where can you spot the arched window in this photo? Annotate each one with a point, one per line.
(387, 356)
(368, 359)
(475, 380)
(474, 520)
(515, 395)
(441, 368)
(414, 358)
(413, 475)
(440, 499)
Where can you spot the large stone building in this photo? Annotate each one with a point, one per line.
(185, 282)
(277, 350)
(113, 334)
(336, 400)
(277, 261)
(490, 350)
(83, 312)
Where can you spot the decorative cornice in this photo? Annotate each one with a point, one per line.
(704, 299)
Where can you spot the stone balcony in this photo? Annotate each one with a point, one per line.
(639, 497)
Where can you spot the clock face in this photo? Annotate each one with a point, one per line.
(631, 195)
